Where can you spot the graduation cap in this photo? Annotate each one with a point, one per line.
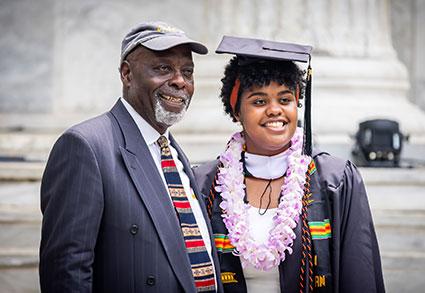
(254, 50)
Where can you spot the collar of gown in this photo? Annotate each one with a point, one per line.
(266, 167)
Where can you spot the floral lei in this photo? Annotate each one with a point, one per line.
(230, 183)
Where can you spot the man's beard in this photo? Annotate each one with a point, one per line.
(167, 117)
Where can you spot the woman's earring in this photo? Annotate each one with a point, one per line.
(299, 105)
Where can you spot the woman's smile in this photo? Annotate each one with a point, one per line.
(275, 125)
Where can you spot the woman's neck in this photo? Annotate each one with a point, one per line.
(263, 194)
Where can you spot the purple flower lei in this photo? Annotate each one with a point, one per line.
(230, 184)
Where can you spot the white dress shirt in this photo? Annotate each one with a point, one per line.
(258, 280)
(150, 136)
(265, 167)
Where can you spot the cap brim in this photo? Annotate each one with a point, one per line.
(166, 42)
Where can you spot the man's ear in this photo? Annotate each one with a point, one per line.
(125, 73)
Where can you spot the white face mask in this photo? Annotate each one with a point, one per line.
(167, 117)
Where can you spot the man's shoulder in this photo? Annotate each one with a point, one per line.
(92, 125)
(97, 130)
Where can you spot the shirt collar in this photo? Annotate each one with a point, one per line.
(149, 133)
(266, 167)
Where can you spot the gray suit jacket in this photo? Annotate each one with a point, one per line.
(108, 222)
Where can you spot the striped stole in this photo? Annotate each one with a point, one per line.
(202, 269)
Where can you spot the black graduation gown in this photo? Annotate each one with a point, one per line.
(345, 260)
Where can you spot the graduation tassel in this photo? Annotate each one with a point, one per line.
(307, 148)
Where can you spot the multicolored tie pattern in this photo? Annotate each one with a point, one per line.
(202, 269)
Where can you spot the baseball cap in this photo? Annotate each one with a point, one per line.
(158, 36)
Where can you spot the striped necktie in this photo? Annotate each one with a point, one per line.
(202, 269)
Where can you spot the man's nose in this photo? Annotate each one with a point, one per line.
(178, 80)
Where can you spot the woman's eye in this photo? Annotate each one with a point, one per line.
(285, 100)
(259, 102)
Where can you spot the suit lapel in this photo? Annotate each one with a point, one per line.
(149, 184)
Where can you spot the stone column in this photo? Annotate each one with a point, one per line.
(357, 74)
(408, 22)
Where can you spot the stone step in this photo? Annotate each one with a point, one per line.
(200, 144)
(20, 215)
(21, 171)
(32, 170)
(396, 197)
(398, 231)
(19, 241)
(20, 222)
(25, 231)
(14, 258)
(403, 272)
(21, 236)
(402, 252)
(19, 280)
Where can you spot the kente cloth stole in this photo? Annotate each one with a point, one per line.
(202, 269)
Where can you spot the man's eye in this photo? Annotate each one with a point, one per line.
(188, 72)
(164, 68)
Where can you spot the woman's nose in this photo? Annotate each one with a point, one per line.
(274, 109)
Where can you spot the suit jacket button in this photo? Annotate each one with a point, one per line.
(134, 229)
(150, 281)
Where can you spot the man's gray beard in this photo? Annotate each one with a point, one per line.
(167, 117)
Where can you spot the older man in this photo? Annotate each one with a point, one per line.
(121, 211)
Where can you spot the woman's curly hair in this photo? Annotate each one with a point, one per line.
(258, 72)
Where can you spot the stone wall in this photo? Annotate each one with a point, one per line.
(26, 50)
(60, 58)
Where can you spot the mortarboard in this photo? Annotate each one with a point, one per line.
(256, 49)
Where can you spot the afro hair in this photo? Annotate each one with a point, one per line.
(258, 72)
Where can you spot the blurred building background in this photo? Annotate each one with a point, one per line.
(58, 66)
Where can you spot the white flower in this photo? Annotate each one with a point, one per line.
(262, 256)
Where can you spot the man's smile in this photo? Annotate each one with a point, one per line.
(173, 99)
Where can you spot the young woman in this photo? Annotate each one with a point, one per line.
(284, 220)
